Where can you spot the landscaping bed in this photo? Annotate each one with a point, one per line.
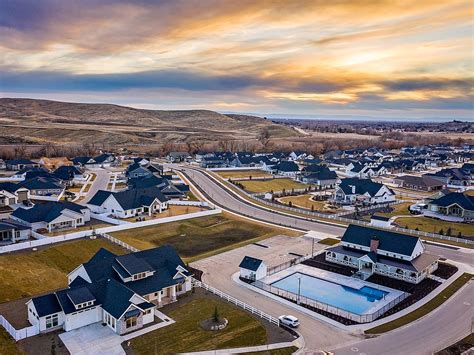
(459, 347)
(445, 270)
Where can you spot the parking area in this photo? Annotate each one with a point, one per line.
(218, 271)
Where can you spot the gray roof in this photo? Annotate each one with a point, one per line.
(130, 199)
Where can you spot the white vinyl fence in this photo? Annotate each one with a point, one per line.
(190, 203)
(18, 334)
(237, 302)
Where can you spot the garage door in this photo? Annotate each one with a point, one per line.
(82, 318)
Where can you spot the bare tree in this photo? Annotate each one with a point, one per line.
(264, 137)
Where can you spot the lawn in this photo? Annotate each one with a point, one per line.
(243, 174)
(469, 192)
(29, 273)
(283, 351)
(329, 241)
(92, 224)
(7, 344)
(432, 225)
(272, 185)
(186, 335)
(442, 297)
(305, 201)
(199, 237)
(400, 209)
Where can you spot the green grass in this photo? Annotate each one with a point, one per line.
(243, 174)
(272, 185)
(29, 273)
(305, 201)
(283, 351)
(442, 297)
(201, 236)
(7, 344)
(329, 241)
(432, 225)
(186, 335)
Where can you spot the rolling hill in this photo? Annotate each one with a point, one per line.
(31, 120)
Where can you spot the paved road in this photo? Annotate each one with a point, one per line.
(100, 183)
(224, 198)
(439, 329)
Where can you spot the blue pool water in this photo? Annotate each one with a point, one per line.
(347, 298)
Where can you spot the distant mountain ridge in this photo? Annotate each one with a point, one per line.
(62, 121)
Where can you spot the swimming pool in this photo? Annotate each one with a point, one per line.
(353, 300)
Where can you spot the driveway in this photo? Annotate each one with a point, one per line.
(93, 339)
(100, 183)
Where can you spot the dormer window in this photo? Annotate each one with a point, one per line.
(139, 276)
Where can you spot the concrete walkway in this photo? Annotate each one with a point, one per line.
(248, 349)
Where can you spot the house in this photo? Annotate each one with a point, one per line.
(252, 269)
(3, 165)
(54, 163)
(42, 186)
(53, 216)
(85, 162)
(18, 164)
(12, 194)
(320, 176)
(209, 162)
(376, 251)
(105, 160)
(454, 177)
(70, 174)
(286, 168)
(353, 191)
(419, 183)
(129, 203)
(121, 292)
(136, 170)
(177, 157)
(141, 161)
(11, 231)
(454, 204)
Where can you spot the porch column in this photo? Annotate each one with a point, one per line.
(49, 227)
(13, 236)
(173, 292)
(159, 298)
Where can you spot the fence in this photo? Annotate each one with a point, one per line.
(18, 334)
(325, 307)
(287, 264)
(189, 203)
(237, 302)
(119, 242)
(105, 218)
(86, 233)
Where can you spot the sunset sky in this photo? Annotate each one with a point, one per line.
(372, 58)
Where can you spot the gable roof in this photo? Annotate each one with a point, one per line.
(462, 200)
(130, 199)
(287, 166)
(362, 186)
(250, 263)
(389, 241)
(46, 212)
(47, 304)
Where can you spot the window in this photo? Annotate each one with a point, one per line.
(52, 321)
(131, 322)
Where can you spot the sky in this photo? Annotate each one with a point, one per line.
(392, 59)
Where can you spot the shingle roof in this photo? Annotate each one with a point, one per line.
(46, 212)
(361, 186)
(47, 304)
(462, 200)
(389, 241)
(130, 199)
(287, 166)
(80, 295)
(250, 263)
(132, 264)
(41, 183)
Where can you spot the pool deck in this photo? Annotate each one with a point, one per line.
(338, 279)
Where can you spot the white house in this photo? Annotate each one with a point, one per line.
(121, 292)
(353, 191)
(375, 251)
(129, 203)
(252, 268)
(53, 216)
(380, 221)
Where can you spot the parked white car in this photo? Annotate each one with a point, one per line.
(289, 321)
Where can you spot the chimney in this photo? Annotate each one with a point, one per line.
(374, 244)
